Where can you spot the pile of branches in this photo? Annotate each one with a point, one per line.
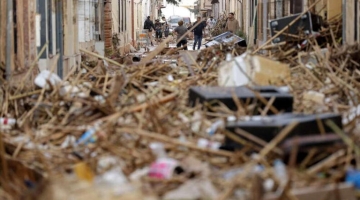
(219, 27)
(145, 103)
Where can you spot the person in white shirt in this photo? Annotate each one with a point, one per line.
(211, 22)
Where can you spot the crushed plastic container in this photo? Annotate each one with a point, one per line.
(164, 167)
(44, 76)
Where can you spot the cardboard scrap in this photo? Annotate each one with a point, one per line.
(258, 70)
(264, 71)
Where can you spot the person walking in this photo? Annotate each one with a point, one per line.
(232, 24)
(166, 29)
(180, 31)
(211, 22)
(149, 26)
(198, 32)
(158, 31)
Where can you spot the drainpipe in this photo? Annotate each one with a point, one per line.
(132, 23)
(265, 6)
(9, 38)
(59, 37)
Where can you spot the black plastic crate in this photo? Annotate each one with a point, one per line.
(268, 127)
(283, 100)
(306, 24)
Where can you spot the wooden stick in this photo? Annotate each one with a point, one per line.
(256, 140)
(290, 35)
(168, 140)
(20, 96)
(264, 101)
(158, 49)
(307, 159)
(285, 28)
(101, 57)
(146, 105)
(274, 45)
(267, 107)
(328, 162)
(279, 137)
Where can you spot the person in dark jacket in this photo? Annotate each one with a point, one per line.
(198, 32)
(149, 25)
(166, 29)
(158, 30)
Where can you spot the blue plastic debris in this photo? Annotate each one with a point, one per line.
(353, 177)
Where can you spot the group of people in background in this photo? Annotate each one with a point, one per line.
(198, 29)
(161, 29)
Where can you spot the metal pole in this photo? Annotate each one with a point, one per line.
(9, 38)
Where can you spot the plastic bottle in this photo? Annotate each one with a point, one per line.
(280, 171)
(89, 135)
(7, 121)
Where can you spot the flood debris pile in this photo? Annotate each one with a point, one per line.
(219, 27)
(166, 130)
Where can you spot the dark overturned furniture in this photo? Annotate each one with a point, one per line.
(266, 128)
(227, 37)
(198, 94)
(307, 24)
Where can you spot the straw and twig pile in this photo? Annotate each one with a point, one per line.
(140, 104)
